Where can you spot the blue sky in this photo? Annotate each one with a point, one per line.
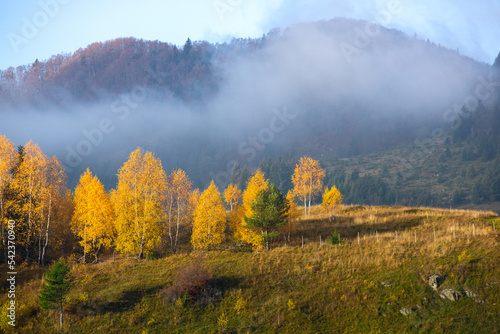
(31, 29)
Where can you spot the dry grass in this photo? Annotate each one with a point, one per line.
(307, 289)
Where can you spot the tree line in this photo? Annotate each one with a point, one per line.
(148, 211)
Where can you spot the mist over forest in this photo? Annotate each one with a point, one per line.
(328, 89)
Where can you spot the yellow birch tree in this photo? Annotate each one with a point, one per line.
(232, 195)
(256, 183)
(177, 204)
(331, 199)
(29, 183)
(138, 203)
(93, 215)
(293, 216)
(8, 159)
(53, 195)
(209, 222)
(308, 181)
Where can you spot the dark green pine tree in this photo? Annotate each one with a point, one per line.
(57, 284)
(187, 47)
(269, 212)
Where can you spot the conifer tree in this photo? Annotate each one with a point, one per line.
(58, 282)
(269, 211)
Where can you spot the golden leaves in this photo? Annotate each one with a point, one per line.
(93, 216)
(209, 219)
(307, 179)
(232, 195)
(138, 202)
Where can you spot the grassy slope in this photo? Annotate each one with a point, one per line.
(300, 290)
(419, 168)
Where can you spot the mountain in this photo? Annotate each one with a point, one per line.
(329, 89)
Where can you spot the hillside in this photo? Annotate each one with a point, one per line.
(202, 106)
(458, 168)
(377, 281)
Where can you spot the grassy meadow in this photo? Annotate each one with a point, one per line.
(373, 282)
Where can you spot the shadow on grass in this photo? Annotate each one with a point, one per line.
(347, 227)
(208, 295)
(127, 301)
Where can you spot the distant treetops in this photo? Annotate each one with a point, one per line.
(148, 209)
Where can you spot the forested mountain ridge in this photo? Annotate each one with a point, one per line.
(329, 89)
(116, 66)
(191, 72)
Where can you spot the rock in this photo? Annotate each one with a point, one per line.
(435, 281)
(469, 293)
(450, 294)
(404, 311)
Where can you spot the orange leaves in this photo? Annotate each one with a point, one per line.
(209, 219)
(307, 180)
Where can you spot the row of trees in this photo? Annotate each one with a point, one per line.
(33, 192)
(149, 210)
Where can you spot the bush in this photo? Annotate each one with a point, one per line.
(154, 255)
(193, 283)
(335, 238)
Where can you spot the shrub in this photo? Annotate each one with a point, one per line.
(335, 238)
(193, 283)
(153, 255)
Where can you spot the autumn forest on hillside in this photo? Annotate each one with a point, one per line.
(148, 213)
(332, 176)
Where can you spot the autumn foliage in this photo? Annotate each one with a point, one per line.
(147, 212)
(209, 221)
(331, 199)
(138, 202)
(307, 180)
(94, 216)
(256, 184)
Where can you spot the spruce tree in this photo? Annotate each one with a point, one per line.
(57, 284)
(270, 210)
